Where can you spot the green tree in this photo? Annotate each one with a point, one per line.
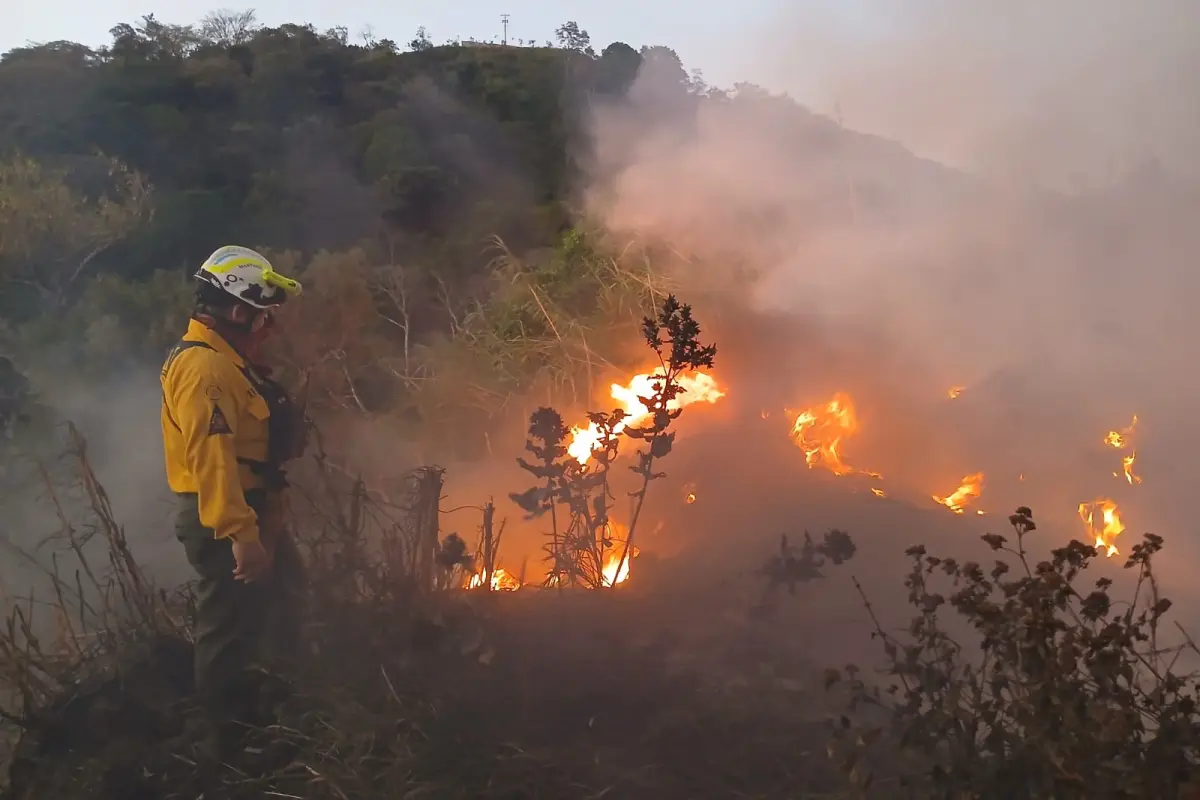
(571, 37)
(51, 234)
(618, 68)
(421, 42)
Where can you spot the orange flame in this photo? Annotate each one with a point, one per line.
(613, 571)
(878, 492)
(954, 391)
(1120, 440)
(821, 430)
(969, 489)
(1104, 522)
(694, 387)
(502, 581)
(1127, 469)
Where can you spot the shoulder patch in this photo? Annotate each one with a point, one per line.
(217, 424)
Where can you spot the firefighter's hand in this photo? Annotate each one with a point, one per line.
(252, 561)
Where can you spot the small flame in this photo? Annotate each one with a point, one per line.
(612, 563)
(612, 566)
(821, 430)
(694, 387)
(1121, 440)
(502, 581)
(878, 492)
(1103, 521)
(1127, 470)
(969, 489)
(691, 498)
(612, 571)
(954, 391)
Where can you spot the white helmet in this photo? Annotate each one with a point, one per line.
(248, 276)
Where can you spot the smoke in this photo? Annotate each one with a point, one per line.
(119, 420)
(1069, 94)
(1042, 262)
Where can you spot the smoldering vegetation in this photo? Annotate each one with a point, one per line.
(820, 261)
(841, 262)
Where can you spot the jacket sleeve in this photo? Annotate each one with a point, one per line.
(205, 408)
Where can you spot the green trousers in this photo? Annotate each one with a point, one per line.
(242, 630)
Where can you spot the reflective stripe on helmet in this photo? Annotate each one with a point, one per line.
(256, 281)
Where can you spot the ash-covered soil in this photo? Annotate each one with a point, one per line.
(533, 694)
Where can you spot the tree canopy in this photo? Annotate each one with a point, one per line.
(429, 195)
(391, 176)
(292, 138)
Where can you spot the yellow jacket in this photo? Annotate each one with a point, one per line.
(214, 424)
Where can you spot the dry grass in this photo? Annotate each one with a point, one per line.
(409, 692)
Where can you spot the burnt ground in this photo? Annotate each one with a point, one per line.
(530, 694)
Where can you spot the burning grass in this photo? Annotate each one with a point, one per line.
(415, 688)
(427, 677)
(586, 546)
(419, 686)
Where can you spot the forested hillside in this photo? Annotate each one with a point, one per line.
(413, 186)
(429, 195)
(297, 139)
(124, 166)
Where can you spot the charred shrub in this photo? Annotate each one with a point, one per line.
(789, 567)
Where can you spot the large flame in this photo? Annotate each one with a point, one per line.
(694, 387)
(821, 431)
(1122, 440)
(968, 490)
(1104, 522)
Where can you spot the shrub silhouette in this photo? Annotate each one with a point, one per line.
(1070, 693)
(580, 542)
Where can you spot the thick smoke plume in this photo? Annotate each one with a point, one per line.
(1045, 266)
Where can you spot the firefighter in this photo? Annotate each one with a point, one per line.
(228, 430)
